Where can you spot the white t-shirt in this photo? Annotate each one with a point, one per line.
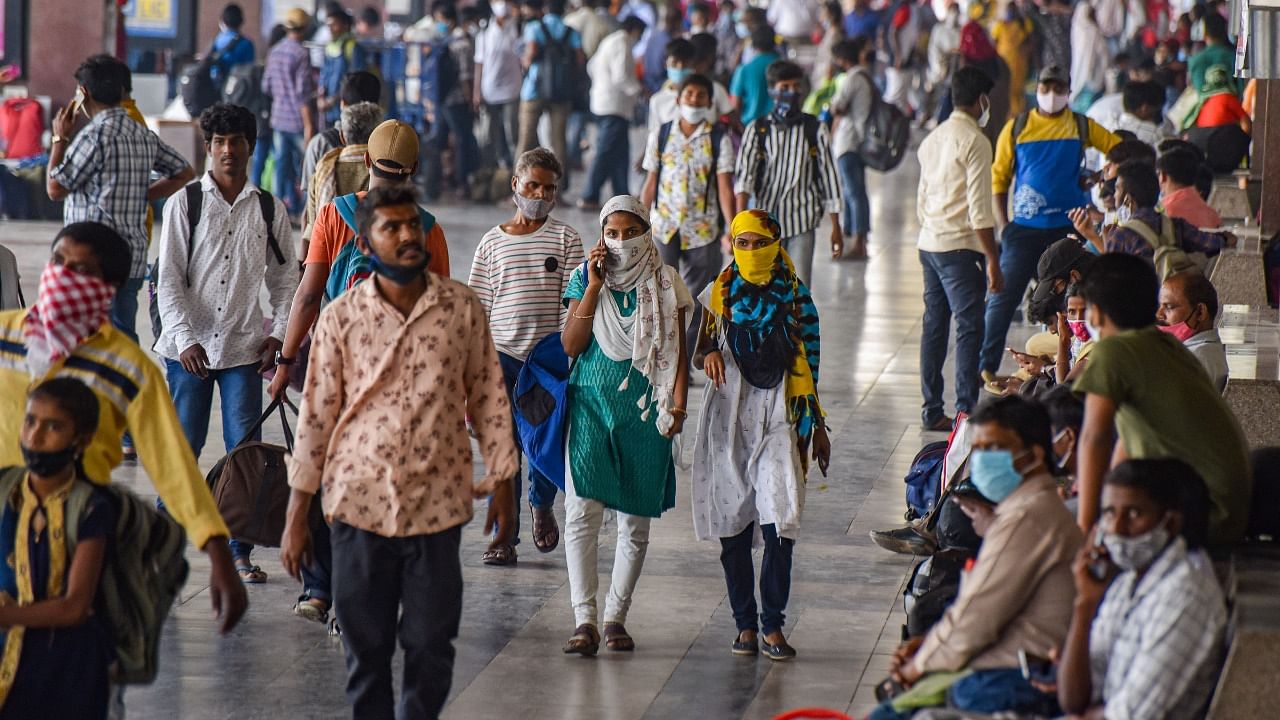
(498, 49)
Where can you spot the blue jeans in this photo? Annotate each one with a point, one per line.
(955, 284)
(853, 184)
(987, 692)
(260, 152)
(612, 161)
(542, 492)
(775, 578)
(240, 389)
(459, 122)
(1020, 250)
(124, 308)
(287, 148)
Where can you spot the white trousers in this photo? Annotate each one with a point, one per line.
(583, 518)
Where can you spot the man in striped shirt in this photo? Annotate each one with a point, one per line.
(520, 273)
(785, 164)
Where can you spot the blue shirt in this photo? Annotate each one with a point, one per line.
(533, 33)
(655, 60)
(751, 87)
(236, 50)
(866, 23)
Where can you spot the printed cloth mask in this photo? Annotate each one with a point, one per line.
(533, 208)
(1181, 330)
(1079, 330)
(71, 307)
(786, 103)
(1139, 551)
(993, 473)
(1051, 103)
(49, 463)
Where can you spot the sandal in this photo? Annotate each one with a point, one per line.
(546, 532)
(585, 642)
(251, 574)
(617, 639)
(313, 609)
(499, 555)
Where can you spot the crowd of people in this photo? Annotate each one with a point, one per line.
(1093, 507)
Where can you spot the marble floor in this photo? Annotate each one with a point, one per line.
(845, 611)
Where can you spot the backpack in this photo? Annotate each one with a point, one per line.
(196, 85)
(924, 479)
(560, 79)
(885, 135)
(250, 484)
(351, 266)
(1020, 124)
(243, 87)
(142, 573)
(10, 281)
(1168, 255)
(440, 74)
(195, 207)
(718, 131)
(763, 125)
(933, 586)
(21, 128)
(541, 408)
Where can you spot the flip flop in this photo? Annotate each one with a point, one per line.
(251, 574)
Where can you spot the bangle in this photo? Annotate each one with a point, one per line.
(584, 317)
(679, 411)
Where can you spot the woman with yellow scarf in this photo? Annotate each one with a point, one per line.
(760, 423)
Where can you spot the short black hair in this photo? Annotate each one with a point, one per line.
(1198, 290)
(1127, 150)
(471, 14)
(1171, 144)
(336, 11)
(278, 33)
(1066, 409)
(705, 46)
(968, 84)
(699, 80)
(762, 38)
(782, 71)
(539, 157)
(1215, 27)
(370, 15)
(381, 197)
(850, 49)
(72, 397)
(633, 24)
(445, 9)
(682, 50)
(1172, 485)
(104, 78)
(1140, 182)
(1026, 417)
(1137, 94)
(112, 251)
(1124, 287)
(699, 7)
(232, 16)
(380, 170)
(1182, 166)
(534, 4)
(360, 86)
(226, 119)
(555, 7)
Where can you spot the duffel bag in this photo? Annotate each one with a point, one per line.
(250, 484)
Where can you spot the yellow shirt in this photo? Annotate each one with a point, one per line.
(132, 395)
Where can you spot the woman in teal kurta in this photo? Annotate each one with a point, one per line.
(626, 398)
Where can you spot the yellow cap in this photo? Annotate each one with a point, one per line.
(393, 148)
(297, 19)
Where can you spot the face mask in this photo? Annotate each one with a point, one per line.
(1079, 330)
(1063, 461)
(756, 266)
(1138, 552)
(399, 274)
(1051, 103)
(623, 253)
(741, 30)
(785, 102)
(442, 28)
(533, 208)
(1093, 330)
(49, 464)
(993, 473)
(985, 117)
(499, 8)
(695, 115)
(1123, 214)
(678, 75)
(1181, 330)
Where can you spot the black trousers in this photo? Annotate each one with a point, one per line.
(397, 588)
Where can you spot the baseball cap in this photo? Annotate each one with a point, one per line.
(1055, 73)
(297, 19)
(1056, 262)
(396, 142)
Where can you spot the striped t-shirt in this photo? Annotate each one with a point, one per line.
(520, 280)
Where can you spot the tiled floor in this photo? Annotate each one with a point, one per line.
(845, 610)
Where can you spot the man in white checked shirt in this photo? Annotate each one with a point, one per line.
(1151, 644)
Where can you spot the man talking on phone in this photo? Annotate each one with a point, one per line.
(1019, 593)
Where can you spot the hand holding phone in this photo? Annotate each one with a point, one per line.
(1037, 669)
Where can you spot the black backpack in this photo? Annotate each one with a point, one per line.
(718, 131)
(196, 84)
(885, 135)
(560, 77)
(243, 87)
(195, 207)
(764, 124)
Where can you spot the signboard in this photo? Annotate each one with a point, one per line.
(151, 19)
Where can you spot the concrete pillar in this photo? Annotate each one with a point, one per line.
(63, 33)
(1266, 152)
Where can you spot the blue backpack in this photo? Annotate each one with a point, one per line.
(541, 407)
(439, 73)
(924, 478)
(351, 266)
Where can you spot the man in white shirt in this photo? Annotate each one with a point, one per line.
(851, 106)
(1143, 107)
(957, 238)
(614, 89)
(593, 22)
(793, 20)
(684, 59)
(222, 239)
(498, 79)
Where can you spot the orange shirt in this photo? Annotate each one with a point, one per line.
(330, 232)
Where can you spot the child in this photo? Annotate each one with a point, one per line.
(760, 419)
(61, 649)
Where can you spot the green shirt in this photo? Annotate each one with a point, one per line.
(1208, 57)
(1168, 407)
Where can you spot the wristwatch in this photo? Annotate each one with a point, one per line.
(58, 139)
(282, 360)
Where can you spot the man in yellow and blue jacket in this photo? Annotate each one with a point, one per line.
(1038, 155)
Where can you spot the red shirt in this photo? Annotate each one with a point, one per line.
(1219, 110)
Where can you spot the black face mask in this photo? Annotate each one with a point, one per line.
(48, 464)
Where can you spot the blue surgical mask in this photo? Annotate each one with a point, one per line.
(742, 30)
(399, 274)
(678, 75)
(993, 473)
(443, 28)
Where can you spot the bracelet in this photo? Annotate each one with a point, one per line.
(679, 411)
(584, 317)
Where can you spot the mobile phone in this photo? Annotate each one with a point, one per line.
(1036, 668)
(77, 102)
(1099, 564)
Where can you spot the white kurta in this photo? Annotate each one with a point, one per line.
(746, 462)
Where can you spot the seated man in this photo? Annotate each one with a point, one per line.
(1019, 593)
(1177, 171)
(1064, 263)
(1146, 387)
(1141, 225)
(1150, 645)
(1187, 310)
(1066, 415)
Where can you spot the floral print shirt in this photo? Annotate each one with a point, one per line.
(683, 204)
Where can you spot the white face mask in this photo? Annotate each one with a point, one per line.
(985, 117)
(1051, 103)
(1123, 214)
(695, 115)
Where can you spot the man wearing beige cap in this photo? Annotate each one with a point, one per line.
(287, 78)
(333, 264)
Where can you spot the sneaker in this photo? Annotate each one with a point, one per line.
(905, 540)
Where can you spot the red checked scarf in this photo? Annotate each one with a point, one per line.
(72, 306)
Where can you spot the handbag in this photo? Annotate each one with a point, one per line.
(250, 483)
